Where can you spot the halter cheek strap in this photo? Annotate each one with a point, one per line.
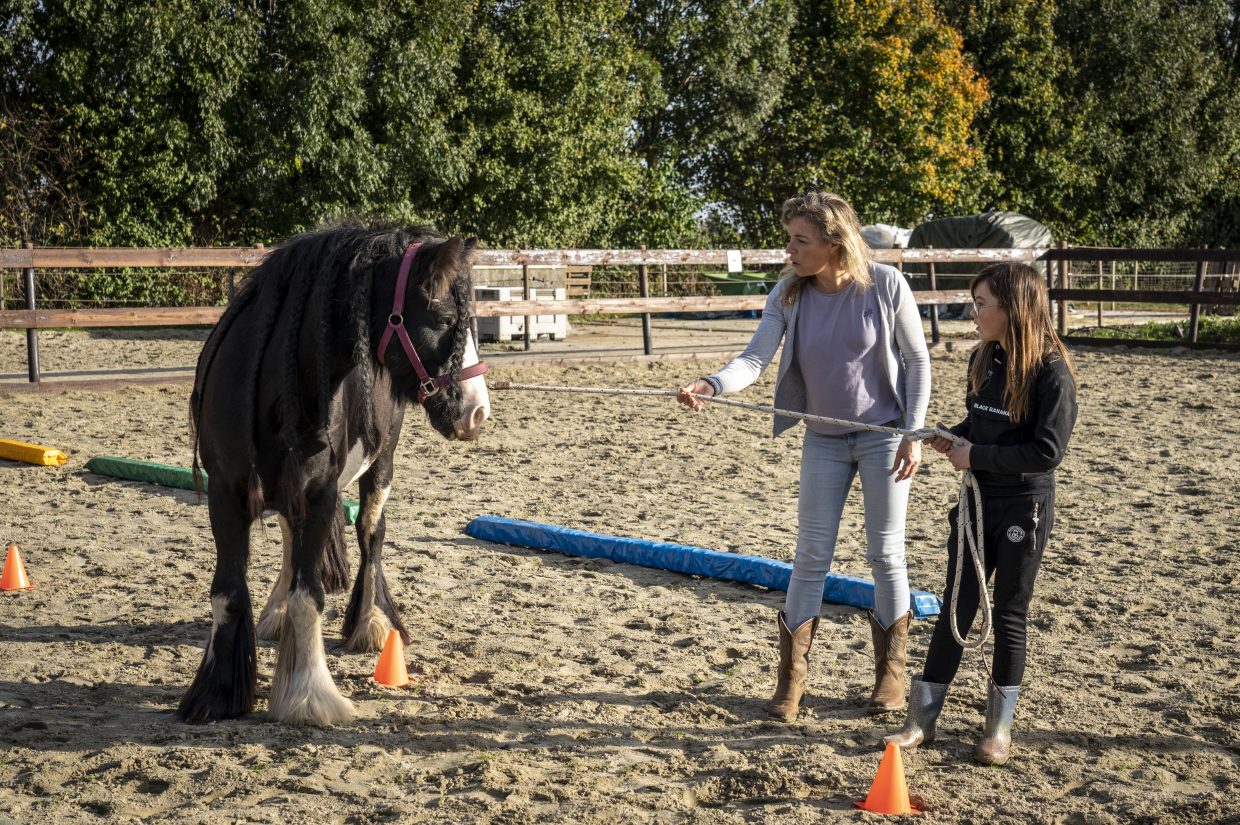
(427, 386)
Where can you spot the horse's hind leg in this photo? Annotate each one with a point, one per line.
(371, 612)
(272, 617)
(302, 689)
(225, 684)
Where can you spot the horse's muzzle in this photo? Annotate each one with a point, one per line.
(470, 425)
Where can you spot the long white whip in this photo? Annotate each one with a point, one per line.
(964, 528)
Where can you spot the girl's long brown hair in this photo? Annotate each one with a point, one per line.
(1029, 339)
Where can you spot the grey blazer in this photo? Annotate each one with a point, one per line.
(906, 361)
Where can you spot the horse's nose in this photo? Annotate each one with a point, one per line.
(472, 425)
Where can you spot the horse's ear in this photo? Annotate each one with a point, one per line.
(450, 256)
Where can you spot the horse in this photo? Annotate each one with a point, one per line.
(300, 390)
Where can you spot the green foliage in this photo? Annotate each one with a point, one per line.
(719, 72)
(879, 109)
(1209, 331)
(607, 123)
(1157, 106)
(1030, 148)
(550, 101)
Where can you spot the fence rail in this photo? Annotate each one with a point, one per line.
(1056, 261)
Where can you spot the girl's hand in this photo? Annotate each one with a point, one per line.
(908, 459)
(958, 455)
(939, 443)
(698, 387)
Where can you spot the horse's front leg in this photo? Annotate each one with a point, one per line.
(372, 612)
(227, 678)
(302, 689)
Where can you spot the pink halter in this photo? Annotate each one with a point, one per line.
(427, 386)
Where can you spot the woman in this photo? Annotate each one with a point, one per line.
(1021, 405)
(853, 349)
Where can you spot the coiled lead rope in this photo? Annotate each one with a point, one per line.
(964, 528)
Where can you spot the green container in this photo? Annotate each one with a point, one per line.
(738, 283)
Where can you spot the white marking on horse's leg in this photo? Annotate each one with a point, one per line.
(355, 463)
(373, 625)
(476, 406)
(219, 611)
(272, 617)
(302, 690)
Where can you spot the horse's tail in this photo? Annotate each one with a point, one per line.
(203, 368)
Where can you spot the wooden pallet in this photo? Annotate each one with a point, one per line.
(577, 282)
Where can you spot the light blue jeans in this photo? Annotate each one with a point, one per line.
(828, 465)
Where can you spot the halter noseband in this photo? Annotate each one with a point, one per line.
(427, 386)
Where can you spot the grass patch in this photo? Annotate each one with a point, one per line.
(1209, 330)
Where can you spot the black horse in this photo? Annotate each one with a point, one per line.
(301, 390)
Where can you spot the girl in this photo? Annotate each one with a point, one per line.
(853, 349)
(1021, 406)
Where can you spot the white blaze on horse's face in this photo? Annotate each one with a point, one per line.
(475, 404)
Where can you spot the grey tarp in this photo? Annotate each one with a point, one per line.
(989, 230)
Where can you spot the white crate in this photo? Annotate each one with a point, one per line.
(554, 327)
(504, 327)
(508, 327)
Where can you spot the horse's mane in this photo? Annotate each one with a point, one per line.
(305, 281)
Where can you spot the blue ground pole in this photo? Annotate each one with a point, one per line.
(680, 558)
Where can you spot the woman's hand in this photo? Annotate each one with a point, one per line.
(908, 459)
(698, 387)
(958, 455)
(939, 443)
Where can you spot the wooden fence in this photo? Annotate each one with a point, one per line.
(1055, 262)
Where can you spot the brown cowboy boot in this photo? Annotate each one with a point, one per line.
(890, 658)
(793, 668)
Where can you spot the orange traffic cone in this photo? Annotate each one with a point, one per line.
(889, 793)
(14, 577)
(390, 670)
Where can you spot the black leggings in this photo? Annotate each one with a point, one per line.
(1014, 545)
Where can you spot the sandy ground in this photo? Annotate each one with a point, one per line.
(553, 689)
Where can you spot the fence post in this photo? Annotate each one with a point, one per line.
(32, 333)
(1050, 280)
(1063, 284)
(934, 308)
(1099, 299)
(1112, 284)
(525, 293)
(643, 289)
(1194, 310)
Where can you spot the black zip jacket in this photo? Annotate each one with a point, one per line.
(1016, 459)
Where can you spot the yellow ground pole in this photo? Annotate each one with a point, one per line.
(31, 453)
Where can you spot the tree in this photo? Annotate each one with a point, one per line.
(719, 70)
(1157, 105)
(881, 111)
(1030, 149)
(550, 95)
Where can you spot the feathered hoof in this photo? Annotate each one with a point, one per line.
(319, 704)
(369, 635)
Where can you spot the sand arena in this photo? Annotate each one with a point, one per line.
(552, 689)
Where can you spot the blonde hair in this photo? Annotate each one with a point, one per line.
(837, 223)
(1029, 340)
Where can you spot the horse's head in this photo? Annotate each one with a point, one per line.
(425, 322)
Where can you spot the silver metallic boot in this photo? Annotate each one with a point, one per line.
(925, 703)
(997, 735)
